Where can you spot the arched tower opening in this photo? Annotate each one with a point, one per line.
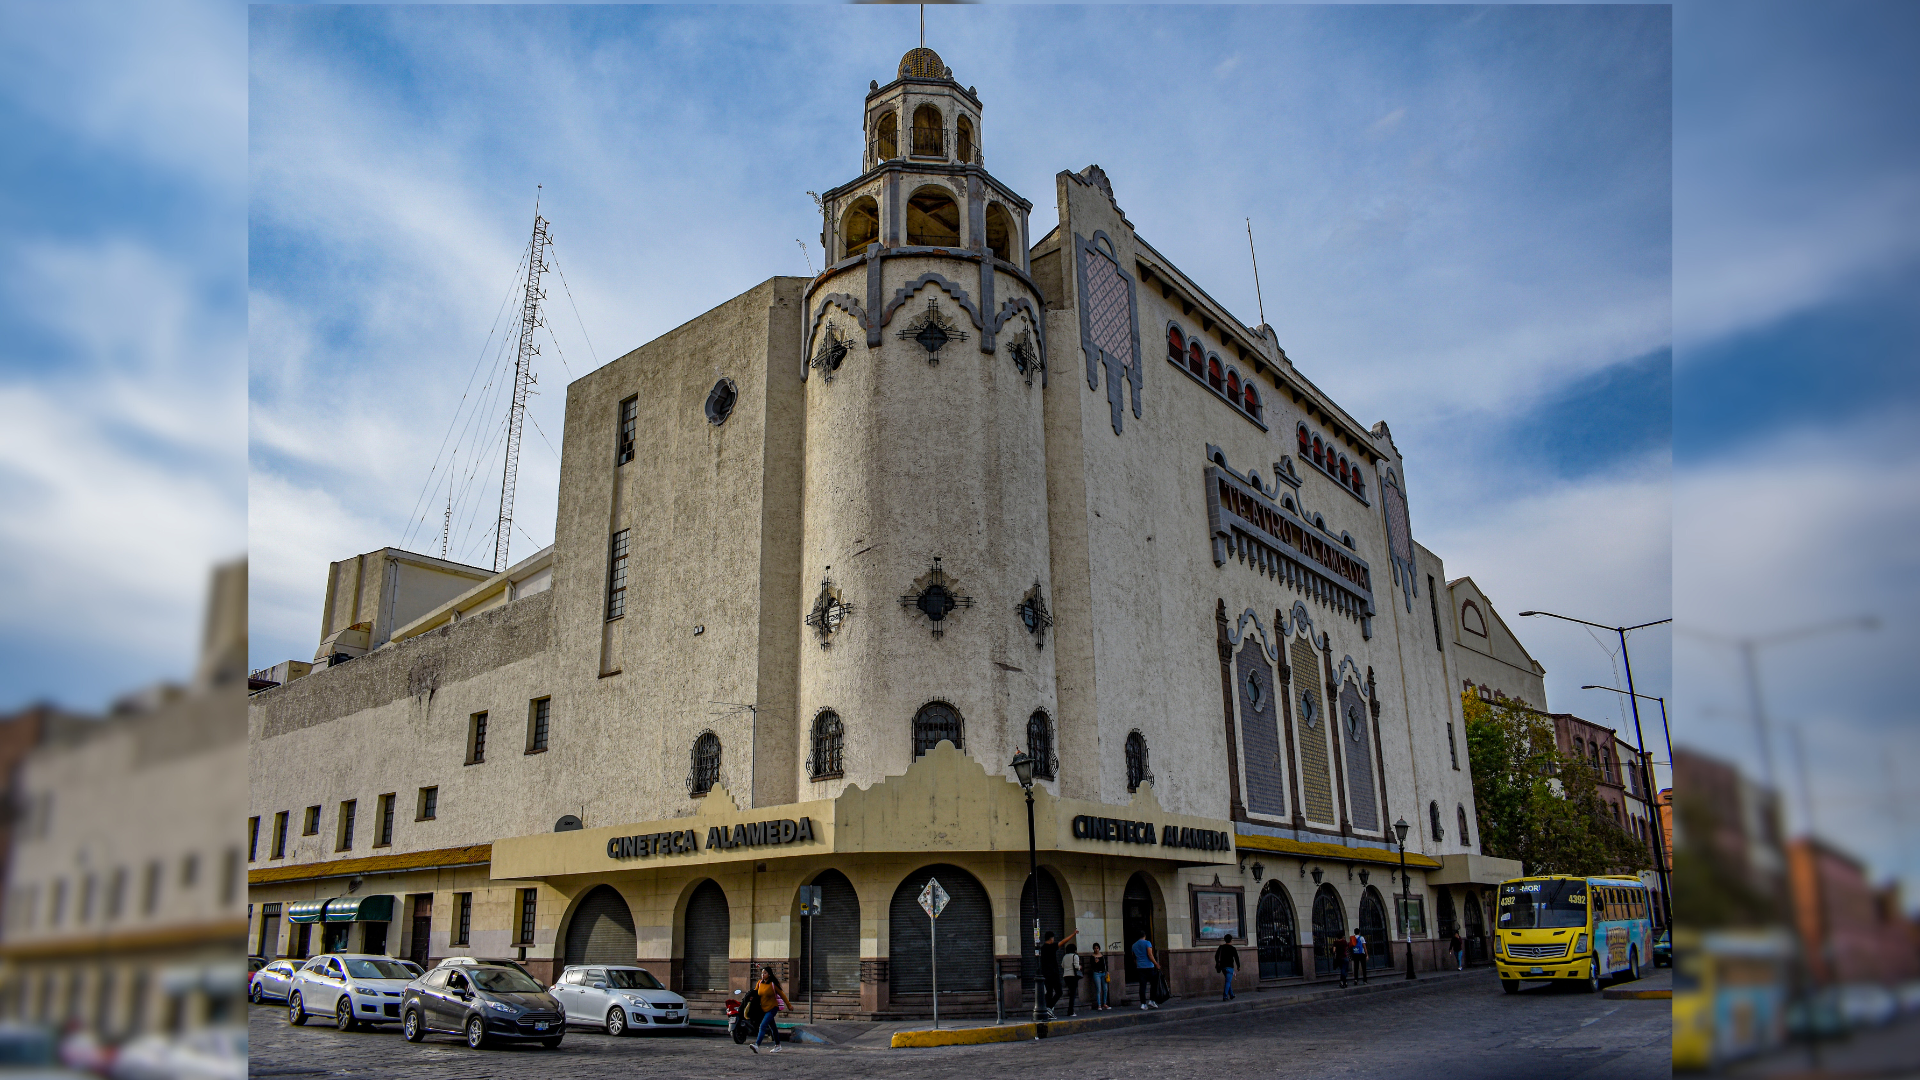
(933, 218)
(963, 139)
(886, 137)
(929, 135)
(859, 226)
(1000, 232)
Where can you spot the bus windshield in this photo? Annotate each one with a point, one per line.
(1543, 905)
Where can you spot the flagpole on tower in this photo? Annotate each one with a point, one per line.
(923, 26)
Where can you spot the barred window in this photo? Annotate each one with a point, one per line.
(1461, 813)
(1433, 816)
(537, 722)
(253, 838)
(617, 577)
(529, 901)
(429, 805)
(1137, 771)
(476, 738)
(311, 826)
(347, 810)
(383, 832)
(1453, 748)
(706, 764)
(462, 918)
(828, 740)
(936, 722)
(629, 419)
(280, 834)
(1040, 744)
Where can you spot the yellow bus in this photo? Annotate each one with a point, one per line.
(1571, 929)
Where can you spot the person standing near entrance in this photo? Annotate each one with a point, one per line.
(1226, 960)
(1359, 957)
(1098, 961)
(1070, 974)
(1050, 967)
(1459, 947)
(1145, 970)
(1342, 955)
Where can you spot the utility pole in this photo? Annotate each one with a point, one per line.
(523, 380)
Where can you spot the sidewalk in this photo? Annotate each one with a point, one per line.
(917, 1033)
(1657, 983)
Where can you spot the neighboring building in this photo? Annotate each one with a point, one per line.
(826, 558)
(1850, 931)
(123, 895)
(1493, 663)
(1743, 819)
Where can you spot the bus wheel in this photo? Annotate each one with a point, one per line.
(1633, 964)
(1592, 983)
(1510, 986)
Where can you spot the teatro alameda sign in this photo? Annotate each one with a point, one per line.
(945, 802)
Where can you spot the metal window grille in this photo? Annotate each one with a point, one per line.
(936, 722)
(537, 738)
(706, 764)
(1453, 749)
(617, 576)
(1040, 745)
(312, 824)
(477, 740)
(253, 838)
(429, 803)
(1137, 772)
(828, 743)
(529, 899)
(386, 821)
(280, 834)
(463, 917)
(347, 810)
(629, 419)
(1433, 816)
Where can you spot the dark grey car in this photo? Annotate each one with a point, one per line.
(483, 1003)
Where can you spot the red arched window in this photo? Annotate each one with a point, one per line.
(1233, 387)
(1306, 447)
(1176, 345)
(1346, 476)
(1319, 453)
(1196, 359)
(1359, 481)
(1214, 377)
(1253, 400)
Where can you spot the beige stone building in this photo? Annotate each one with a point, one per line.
(826, 558)
(1493, 663)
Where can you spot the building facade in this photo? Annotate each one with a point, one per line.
(1493, 663)
(827, 557)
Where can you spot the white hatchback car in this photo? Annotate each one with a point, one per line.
(353, 988)
(618, 998)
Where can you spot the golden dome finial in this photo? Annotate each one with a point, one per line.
(923, 63)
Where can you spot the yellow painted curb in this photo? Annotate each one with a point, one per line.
(1640, 995)
(974, 1036)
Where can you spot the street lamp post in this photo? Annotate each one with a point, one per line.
(1633, 699)
(1406, 888)
(1023, 771)
(1660, 866)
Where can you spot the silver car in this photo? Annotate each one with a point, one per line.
(352, 988)
(619, 998)
(272, 982)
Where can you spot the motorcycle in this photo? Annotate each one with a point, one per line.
(736, 1019)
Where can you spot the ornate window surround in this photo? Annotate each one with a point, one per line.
(1306, 436)
(1230, 374)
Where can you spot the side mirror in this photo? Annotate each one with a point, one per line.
(599, 986)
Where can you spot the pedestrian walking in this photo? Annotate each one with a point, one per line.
(1226, 960)
(1343, 955)
(1098, 962)
(1360, 957)
(1070, 975)
(1146, 970)
(1459, 947)
(1050, 968)
(771, 1001)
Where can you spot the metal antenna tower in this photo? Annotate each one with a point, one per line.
(523, 380)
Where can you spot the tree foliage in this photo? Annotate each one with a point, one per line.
(1536, 804)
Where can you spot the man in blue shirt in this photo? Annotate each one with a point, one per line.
(1145, 970)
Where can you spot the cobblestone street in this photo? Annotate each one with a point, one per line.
(1456, 1028)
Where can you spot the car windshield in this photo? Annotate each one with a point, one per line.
(632, 979)
(1543, 905)
(500, 980)
(382, 969)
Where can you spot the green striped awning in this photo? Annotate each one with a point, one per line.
(377, 908)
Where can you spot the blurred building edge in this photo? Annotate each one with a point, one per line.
(1730, 862)
(1853, 932)
(122, 902)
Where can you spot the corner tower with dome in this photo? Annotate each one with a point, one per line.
(826, 558)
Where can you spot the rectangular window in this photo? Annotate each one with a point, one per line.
(1433, 601)
(280, 835)
(57, 910)
(311, 826)
(1453, 748)
(116, 893)
(253, 838)
(383, 832)
(1413, 913)
(150, 890)
(345, 842)
(429, 805)
(629, 418)
(476, 738)
(462, 917)
(230, 876)
(269, 931)
(537, 717)
(617, 577)
(529, 899)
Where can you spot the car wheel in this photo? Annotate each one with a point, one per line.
(343, 1014)
(1510, 986)
(551, 1044)
(616, 1021)
(476, 1032)
(411, 1027)
(296, 1010)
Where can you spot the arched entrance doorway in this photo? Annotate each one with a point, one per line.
(830, 949)
(1475, 931)
(1139, 917)
(1329, 930)
(1273, 922)
(1053, 917)
(1373, 927)
(965, 936)
(707, 934)
(601, 930)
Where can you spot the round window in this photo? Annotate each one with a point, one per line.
(721, 400)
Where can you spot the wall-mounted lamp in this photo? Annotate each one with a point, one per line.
(1316, 875)
(1258, 869)
(1363, 877)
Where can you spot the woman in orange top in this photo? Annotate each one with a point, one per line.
(771, 1002)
